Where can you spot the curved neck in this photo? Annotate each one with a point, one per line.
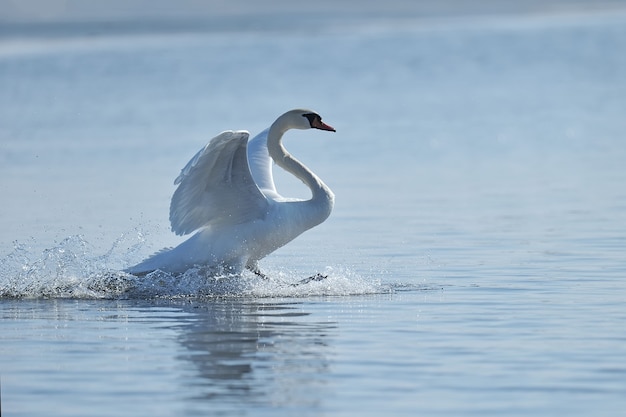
(320, 192)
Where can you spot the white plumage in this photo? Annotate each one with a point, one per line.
(226, 194)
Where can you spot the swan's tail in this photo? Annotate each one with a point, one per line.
(157, 261)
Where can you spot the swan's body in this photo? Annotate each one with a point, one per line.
(226, 193)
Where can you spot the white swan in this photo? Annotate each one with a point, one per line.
(227, 194)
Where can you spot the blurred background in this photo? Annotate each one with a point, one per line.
(41, 18)
(456, 120)
(479, 226)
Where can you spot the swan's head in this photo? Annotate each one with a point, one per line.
(305, 119)
(315, 122)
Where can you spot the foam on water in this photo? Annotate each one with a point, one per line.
(71, 269)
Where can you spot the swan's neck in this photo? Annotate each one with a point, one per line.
(322, 199)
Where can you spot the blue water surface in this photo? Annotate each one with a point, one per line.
(475, 256)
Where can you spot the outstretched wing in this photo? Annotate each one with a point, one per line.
(216, 187)
(261, 164)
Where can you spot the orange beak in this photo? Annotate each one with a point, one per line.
(318, 124)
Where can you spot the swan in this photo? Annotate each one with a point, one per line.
(227, 196)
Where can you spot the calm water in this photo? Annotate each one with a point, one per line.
(476, 254)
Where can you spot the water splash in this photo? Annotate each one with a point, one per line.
(336, 281)
(67, 270)
(70, 269)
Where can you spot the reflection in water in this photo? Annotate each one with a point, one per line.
(247, 352)
(208, 357)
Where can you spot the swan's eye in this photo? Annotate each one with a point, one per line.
(312, 118)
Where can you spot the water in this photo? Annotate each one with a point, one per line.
(475, 257)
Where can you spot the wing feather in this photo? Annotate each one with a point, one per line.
(216, 187)
(261, 164)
